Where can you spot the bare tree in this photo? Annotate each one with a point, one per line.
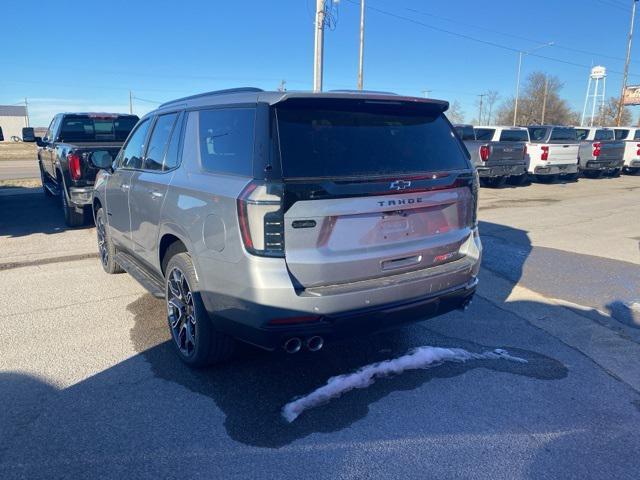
(609, 113)
(455, 113)
(492, 98)
(531, 100)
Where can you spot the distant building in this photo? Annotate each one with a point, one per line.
(12, 119)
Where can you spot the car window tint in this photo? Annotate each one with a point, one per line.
(172, 158)
(514, 136)
(563, 135)
(158, 141)
(484, 134)
(537, 134)
(603, 135)
(636, 136)
(582, 133)
(465, 132)
(226, 140)
(134, 149)
(621, 134)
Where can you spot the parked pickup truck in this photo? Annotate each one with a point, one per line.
(553, 152)
(65, 157)
(631, 157)
(599, 152)
(497, 153)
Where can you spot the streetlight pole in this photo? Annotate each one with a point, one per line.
(626, 64)
(520, 55)
(361, 57)
(318, 46)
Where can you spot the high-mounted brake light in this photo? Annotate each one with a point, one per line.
(484, 152)
(596, 149)
(545, 153)
(261, 219)
(74, 166)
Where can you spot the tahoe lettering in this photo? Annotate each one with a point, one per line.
(402, 201)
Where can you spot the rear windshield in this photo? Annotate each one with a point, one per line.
(514, 136)
(485, 134)
(582, 133)
(603, 135)
(86, 128)
(363, 139)
(563, 135)
(621, 134)
(636, 136)
(537, 134)
(465, 132)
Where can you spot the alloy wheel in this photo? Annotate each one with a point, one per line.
(181, 312)
(102, 240)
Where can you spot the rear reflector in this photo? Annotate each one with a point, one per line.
(294, 320)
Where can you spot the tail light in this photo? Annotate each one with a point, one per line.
(596, 149)
(74, 166)
(484, 152)
(525, 151)
(638, 151)
(261, 219)
(545, 153)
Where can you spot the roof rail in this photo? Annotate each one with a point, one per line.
(362, 91)
(215, 92)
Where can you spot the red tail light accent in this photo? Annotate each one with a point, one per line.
(638, 151)
(484, 152)
(545, 153)
(294, 320)
(261, 219)
(74, 166)
(242, 216)
(596, 149)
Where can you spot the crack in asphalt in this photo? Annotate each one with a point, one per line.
(47, 261)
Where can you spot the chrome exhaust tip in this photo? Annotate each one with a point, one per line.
(315, 343)
(293, 345)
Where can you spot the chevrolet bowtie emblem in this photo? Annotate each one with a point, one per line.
(399, 185)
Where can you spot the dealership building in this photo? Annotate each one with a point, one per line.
(12, 120)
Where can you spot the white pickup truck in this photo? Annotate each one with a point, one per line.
(553, 152)
(631, 138)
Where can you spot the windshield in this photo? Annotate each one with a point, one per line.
(90, 128)
(559, 135)
(365, 140)
(514, 136)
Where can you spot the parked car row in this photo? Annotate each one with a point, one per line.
(549, 152)
(280, 219)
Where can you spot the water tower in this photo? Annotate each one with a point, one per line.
(595, 99)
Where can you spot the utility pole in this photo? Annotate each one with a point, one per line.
(482, 95)
(26, 110)
(318, 46)
(520, 55)
(626, 64)
(361, 57)
(282, 87)
(426, 93)
(544, 98)
(130, 102)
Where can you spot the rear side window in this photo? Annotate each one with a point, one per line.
(603, 135)
(621, 134)
(514, 136)
(563, 135)
(226, 140)
(131, 154)
(582, 133)
(466, 132)
(485, 134)
(537, 134)
(158, 141)
(172, 158)
(343, 140)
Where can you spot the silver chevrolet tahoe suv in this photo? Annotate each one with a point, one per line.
(290, 219)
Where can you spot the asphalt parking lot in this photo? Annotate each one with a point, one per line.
(91, 389)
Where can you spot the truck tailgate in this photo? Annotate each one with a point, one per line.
(563, 154)
(506, 153)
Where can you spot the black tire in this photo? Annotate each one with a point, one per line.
(615, 173)
(633, 171)
(518, 180)
(572, 177)
(43, 179)
(195, 340)
(72, 217)
(493, 182)
(106, 249)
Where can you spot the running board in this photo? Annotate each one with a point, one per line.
(149, 281)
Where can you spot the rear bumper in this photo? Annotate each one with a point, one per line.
(632, 163)
(245, 308)
(599, 165)
(501, 171)
(566, 169)
(81, 195)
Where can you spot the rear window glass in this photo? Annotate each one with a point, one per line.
(636, 136)
(621, 134)
(563, 135)
(86, 128)
(365, 140)
(537, 134)
(603, 135)
(465, 132)
(514, 136)
(485, 134)
(226, 140)
(582, 133)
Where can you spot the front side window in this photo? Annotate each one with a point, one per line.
(485, 134)
(226, 140)
(132, 152)
(158, 141)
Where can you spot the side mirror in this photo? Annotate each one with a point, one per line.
(102, 159)
(28, 135)
(40, 142)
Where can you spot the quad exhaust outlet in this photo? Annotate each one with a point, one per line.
(294, 344)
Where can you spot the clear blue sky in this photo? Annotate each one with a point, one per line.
(79, 55)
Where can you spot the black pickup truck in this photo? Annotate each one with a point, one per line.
(65, 157)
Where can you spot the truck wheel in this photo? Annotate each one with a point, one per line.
(572, 177)
(71, 217)
(615, 173)
(518, 179)
(195, 340)
(592, 173)
(106, 249)
(43, 179)
(495, 182)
